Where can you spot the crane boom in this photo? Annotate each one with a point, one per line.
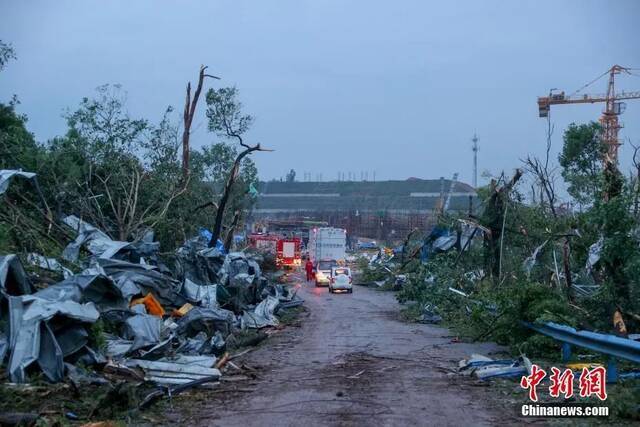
(545, 102)
(609, 118)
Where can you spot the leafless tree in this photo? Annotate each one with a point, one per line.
(545, 177)
(189, 113)
(125, 204)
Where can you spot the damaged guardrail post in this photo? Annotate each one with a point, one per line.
(612, 346)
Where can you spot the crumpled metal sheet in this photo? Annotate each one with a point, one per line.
(468, 232)
(165, 372)
(4, 346)
(80, 377)
(182, 359)
(204, 295)
(6, 175)
(144, 330)
(146, 278)
(96, 241)
(444, 243)
(594, 253)
(72, 339)
(530, 262)
(262, 315)
(100, 290)
(209, 320)
(50, 264)
(32, 339)
(97, 289)
(50, 354)
(198, 263)
(236, 263)
(195, 345)
(13, 278)
(118, 348)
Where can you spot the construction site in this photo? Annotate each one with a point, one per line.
(384, 210)
(172, 251)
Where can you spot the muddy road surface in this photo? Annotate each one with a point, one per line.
(349, 360)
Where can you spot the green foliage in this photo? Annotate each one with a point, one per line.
(121, 173)
(17, 145)
(102, 129)
(225, 113)
(97, 338)
(623, 400)
(494, 309)
(581, 161)
(7, 53)
(489, 312)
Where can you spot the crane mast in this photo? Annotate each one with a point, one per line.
(609, 118)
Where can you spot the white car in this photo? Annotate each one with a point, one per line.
(341, 280)
(323, 272)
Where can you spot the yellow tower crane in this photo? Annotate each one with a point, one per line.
(613, 107)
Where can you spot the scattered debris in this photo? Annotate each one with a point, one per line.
(429, 315)
(485, 368)
(129, 319)
(179, 371)
(151, 305)
(6, 175)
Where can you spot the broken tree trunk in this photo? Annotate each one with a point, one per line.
(228, 242)
(189, 112)
(495, 218)
(231, 179)
(567, 267)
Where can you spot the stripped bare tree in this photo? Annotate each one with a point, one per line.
(189, 112)
(545, 177)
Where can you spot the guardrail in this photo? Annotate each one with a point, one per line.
(611, 345)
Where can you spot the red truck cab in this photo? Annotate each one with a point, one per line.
(288, 252)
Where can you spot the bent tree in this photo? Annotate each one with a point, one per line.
(226, 120)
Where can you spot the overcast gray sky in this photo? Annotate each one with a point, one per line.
(398, 87)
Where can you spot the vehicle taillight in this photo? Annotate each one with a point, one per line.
(350, 280)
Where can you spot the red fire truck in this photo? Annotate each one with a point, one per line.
(264, 242)
(288, 252)
(286, 249)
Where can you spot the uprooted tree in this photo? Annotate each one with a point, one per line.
(227, 120)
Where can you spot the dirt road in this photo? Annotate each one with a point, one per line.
(351, 361)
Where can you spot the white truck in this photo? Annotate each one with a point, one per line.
(327, 248)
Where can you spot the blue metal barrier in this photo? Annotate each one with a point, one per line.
(612, 346)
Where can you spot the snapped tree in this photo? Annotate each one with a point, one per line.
(227, 120)
(188, 114)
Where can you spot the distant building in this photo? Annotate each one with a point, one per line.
(384, 210)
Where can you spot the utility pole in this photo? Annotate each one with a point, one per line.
(475, 160)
